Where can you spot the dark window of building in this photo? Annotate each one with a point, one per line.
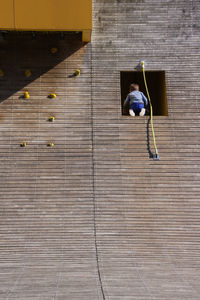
(156, 85)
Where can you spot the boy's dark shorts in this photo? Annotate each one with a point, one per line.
(137, 107)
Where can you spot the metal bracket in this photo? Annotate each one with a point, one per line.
(156, 157)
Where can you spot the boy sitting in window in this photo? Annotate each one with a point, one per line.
(136, 101)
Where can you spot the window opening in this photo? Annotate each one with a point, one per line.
(156, 85)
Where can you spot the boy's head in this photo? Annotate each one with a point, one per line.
(134, 87)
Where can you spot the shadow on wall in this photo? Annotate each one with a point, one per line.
(148, 138)
(25, 56)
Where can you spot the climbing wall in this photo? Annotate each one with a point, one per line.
(94, 217)
(148, 211)
(47, 229)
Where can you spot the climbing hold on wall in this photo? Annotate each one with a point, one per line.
(50, 144)
(52, 95)
(1, 73)
(23, 144)
(27, 73)
(26, 95)
(77, 72)
(51, 119)
(54, 50)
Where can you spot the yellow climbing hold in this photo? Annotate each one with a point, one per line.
(54, 50)
(1, 73)
(51, 144)
(23, 144)
(26, 95)
(52, 95)
(77, 72)
(28, 73)
(51, 119)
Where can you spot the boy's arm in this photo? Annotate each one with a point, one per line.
(145, 100)
(126, 101)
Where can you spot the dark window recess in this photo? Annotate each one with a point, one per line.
(156, 85)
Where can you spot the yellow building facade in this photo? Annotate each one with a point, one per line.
(47, 15)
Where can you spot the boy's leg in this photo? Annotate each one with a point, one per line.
(133, 109)
(142, 112)
(131, 113)
(142, 109)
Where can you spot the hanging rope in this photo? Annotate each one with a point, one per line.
(151, 111)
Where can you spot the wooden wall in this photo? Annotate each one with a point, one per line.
(94, 217)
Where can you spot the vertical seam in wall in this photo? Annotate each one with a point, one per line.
(93, 181)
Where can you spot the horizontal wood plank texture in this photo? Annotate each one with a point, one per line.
(94, 217)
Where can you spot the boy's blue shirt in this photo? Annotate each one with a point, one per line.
(136, 97)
